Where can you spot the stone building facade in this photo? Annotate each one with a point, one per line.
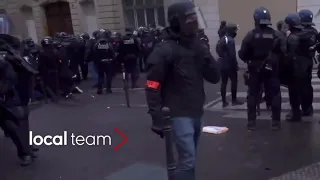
(38, 18)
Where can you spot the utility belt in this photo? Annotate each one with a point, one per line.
(259, 68)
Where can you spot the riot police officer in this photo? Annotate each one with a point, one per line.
(84, 38)
(129, 51)
(15, 78)
(104, 58)
(298, 44)
(76, 53)
(257, 50)
(65, 74)
(48, 67)
(89, 56)
(306, 20)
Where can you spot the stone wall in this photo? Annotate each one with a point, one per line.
(109, 15)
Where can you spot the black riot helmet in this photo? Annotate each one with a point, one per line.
(47, 41)
(102, 35)
(262, 16)
(85, 36)
(57, 44)
(183, 18)
(105, 31)
(129, 31)
(306, 17)
(95, 33)
(293, 20)
(28, 43)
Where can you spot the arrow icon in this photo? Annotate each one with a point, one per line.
(124, 141)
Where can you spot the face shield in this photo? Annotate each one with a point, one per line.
(194, 20)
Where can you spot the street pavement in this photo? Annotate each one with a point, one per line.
(235, 155)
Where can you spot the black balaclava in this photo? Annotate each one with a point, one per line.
(183, 19)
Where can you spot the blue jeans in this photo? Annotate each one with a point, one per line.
(93, 71)
(186, 133)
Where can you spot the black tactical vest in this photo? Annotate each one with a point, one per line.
(263, 43)
(103, 50)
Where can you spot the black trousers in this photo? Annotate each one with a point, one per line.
(17, 130)
(105, 74)
(271, 86)
(225, 76)
(307, 93)
(298, 90)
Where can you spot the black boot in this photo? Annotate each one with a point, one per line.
(26, 160)
(235, 102)
(276, 125)
(99, 91)
(108, 91)
(289, 115)
(251, 125)
(294, 117)
(308, 112)
(225, 104)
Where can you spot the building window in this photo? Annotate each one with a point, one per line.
(144, 13)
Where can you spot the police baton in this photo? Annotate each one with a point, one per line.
(167, 130)
(125, 85)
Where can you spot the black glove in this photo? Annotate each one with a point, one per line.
(157, 123)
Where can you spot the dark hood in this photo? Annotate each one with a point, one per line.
(230, 29)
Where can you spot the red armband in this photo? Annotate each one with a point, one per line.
(153, 84)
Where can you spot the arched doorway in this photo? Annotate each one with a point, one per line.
(58, 17)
